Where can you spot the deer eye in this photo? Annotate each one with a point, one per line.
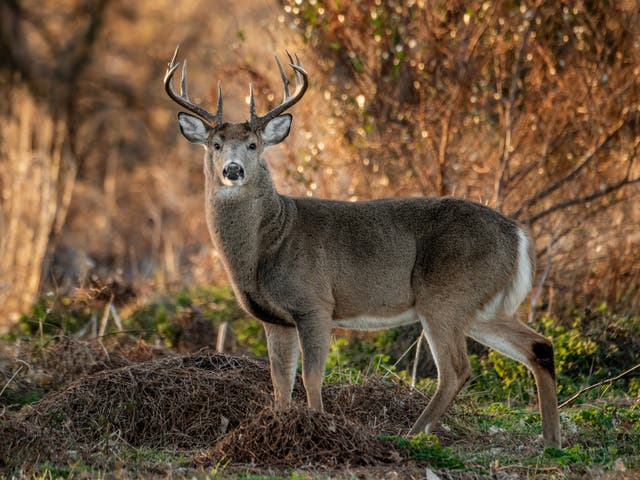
(252, 146)
(217, 146)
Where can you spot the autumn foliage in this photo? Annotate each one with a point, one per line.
(530, 107)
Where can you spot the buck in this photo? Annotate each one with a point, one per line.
(303, 266)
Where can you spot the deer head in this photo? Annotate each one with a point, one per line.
(233, 150)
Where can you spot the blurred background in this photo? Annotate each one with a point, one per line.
(531, 107)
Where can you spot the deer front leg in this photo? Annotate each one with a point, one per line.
(314, 334)
(282, 344)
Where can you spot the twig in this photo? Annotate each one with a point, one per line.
(105, 317)
(414, 372)
(543, 278)
(90, 325)
(223, 329)
(24, 364)
(404, 354)
(584, 161)
(587, 198)
(116, 317)
(595, 385)
(11, 379)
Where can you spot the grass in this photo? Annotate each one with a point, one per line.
(427, 448)
(477, 440)
(596, 444)
(493, 428)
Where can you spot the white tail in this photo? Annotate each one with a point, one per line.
(523, 278)
(303, 266)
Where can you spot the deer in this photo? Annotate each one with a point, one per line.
(303, 266)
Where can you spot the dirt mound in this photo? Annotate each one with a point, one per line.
(298, 436)
(194, 401)
(387, 407)
(31, 370)
(66, 359)
(174, 402)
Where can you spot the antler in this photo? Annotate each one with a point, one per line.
(302, 82)
(183, 98)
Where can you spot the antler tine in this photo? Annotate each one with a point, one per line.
(173, 59)
(296, 62)
(252, 104)
(285, 80)
(219, 109)
(298, 77)
(172, 66)
(302, 83)
(183, 81)
(183, 99)
(290, 56)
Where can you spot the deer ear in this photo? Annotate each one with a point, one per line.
(276, 130)
(193, 128)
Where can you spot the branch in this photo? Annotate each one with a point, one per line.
(586, 159)
(543, 278)
(595, 385)
(592, 213)
(588, 198)
(513, 89)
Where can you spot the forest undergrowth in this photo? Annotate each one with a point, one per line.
(149, 397)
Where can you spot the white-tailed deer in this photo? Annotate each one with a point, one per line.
(303, 266)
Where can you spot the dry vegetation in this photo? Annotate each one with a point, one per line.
(136, 411)
(531, 107)
(136, 396)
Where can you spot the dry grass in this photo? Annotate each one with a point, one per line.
(297, 436)
(107, 403)
(386, 407)
(145, 397)
(173, 402)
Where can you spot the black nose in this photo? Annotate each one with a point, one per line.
(233, 171)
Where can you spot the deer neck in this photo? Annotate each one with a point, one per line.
(245, 225)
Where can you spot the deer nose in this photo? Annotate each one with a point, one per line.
(233, 171)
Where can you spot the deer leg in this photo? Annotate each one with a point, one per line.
(449, 350)
(282, 344)
(314, 334)
(516, 340)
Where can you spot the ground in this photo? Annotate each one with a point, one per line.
(126, 409)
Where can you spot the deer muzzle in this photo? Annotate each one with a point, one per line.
(233, 171)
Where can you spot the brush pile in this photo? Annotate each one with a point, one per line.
(144, 397)
(299, 436)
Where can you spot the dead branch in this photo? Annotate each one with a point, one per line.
(586, 160)
(596, 385)
(508, 114)
(587, 198)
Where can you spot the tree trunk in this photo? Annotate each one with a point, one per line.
(37, 173)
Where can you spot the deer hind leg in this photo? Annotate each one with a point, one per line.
(449, 349)
(282, 344)
(509, 336)
(314, 334)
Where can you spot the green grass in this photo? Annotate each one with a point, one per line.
(427, 448)
(595, 436)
